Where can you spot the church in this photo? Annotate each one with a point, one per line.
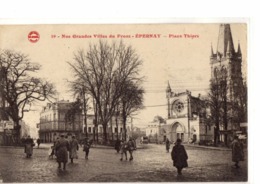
(187, 115)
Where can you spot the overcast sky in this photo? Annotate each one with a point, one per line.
(183, 61)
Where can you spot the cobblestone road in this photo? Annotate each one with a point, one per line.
(151, 164)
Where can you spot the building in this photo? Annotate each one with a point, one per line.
(186, 118)
(154, 130)
(187, 115)
(226, 68)
(53, 121)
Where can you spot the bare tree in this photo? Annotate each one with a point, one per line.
(72, 113)
(219, 103)
(20, 89)
(104, 69)
(131, 101)
(215, 104)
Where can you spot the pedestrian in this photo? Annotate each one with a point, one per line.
(131, 147)
(28, 149)
(117, 145)
(38, 142)
(86, 147)
(123, 149)
(167, 144)
(53, 148)
(179, 156)
(62, 146)
(73, 148)
(237, 151)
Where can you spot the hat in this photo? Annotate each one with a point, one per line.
(178, 140)
(61, 135)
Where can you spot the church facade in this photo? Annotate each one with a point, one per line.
(188, 116)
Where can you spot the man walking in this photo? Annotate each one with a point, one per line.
(179, 156)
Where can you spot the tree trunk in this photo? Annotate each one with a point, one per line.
(124, 126)
(17, 129)
(225, 121)
(105, 132)
(216, 134)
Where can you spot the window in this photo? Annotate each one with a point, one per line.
(178, 106)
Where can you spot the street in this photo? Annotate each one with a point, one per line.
(150, 164)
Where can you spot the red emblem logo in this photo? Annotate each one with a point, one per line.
(33, 36)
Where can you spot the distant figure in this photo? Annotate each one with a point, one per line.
(62, 147)
(179, 156)
(28, 146)
(123, 149)
(86, 147)
(237, 151)
(73, 148)
(53, 148)
(131, 147)
(117, 145)
(38, 142)
(167, 144)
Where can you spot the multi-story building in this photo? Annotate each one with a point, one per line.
(53, 121)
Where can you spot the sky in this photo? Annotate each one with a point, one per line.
(183, 61)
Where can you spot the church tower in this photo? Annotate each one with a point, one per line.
(226, 62)
(168, 96)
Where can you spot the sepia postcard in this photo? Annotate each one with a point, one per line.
(124, 103)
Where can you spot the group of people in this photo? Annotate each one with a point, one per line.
(124, 147)
(180, 157)
(65, 149)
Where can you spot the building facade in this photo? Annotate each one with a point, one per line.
(186, 118)
(53, 121)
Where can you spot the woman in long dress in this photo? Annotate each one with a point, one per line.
(74, 147)
(62, 146)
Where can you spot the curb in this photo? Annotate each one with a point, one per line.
(208, 147)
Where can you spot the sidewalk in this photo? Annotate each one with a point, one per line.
(208, 147)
